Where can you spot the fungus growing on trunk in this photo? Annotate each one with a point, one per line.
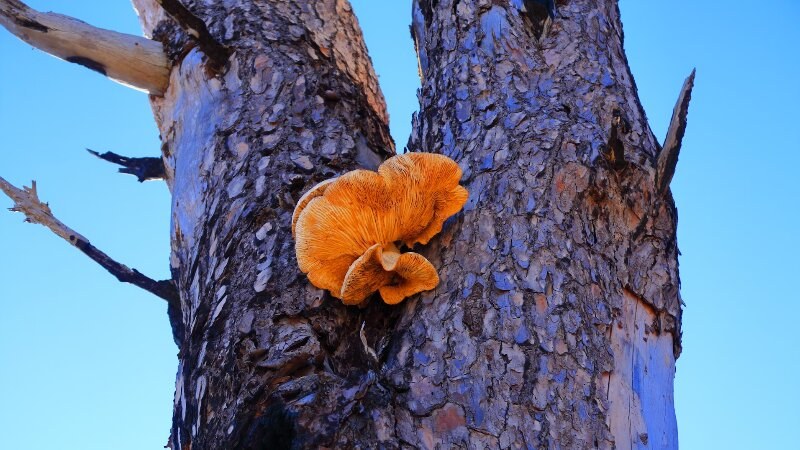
(348, 230)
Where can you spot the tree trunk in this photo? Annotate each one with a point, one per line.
(557, 320)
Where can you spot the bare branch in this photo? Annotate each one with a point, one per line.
(668, 157)
(131, 60)
(26, 201)
(147, 168)
(217, 53)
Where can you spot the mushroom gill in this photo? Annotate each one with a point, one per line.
(346, 229)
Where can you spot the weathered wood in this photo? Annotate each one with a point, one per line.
(668, 157)
(641, 382)
(131, 60)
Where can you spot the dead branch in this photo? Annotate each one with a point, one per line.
(147, 168)
(131, 60)
(26, 201)
(668, 157)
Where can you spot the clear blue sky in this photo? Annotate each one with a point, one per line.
(88, 363)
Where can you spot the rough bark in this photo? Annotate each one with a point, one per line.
(264, 354)
(528, 341)
(557, 320)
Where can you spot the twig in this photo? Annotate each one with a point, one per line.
(197, 29)
(131, 60)
(147, 168)
(26, 201)
(668, 157)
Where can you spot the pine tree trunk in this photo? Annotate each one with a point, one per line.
(557, 320)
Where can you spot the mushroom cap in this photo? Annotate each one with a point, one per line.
(395, 275)
(427, 183)
(413, 274)
(339, 220)
(312, 193)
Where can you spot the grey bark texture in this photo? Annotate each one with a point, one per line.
(557, 320)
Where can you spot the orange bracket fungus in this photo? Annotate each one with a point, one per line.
(348, 230)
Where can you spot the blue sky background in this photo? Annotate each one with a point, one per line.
(88, 363)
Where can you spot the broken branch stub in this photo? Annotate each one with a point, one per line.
(130, 60)
(668, 157)
(348, 229)
(144, 169)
